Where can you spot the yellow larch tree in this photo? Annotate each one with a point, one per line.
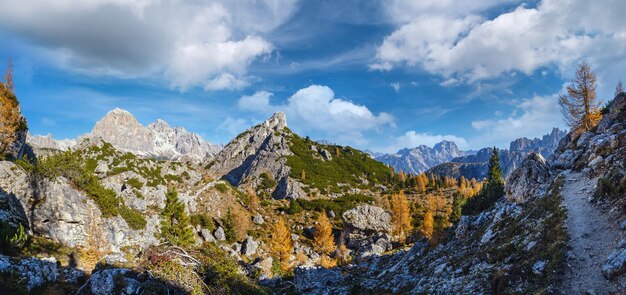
(10, 113)
(580, 107)
(401, 215)
(323, 240)
(281, 245)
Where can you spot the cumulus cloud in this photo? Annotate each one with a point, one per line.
(258, 102)
(531, 118)
(315, 108)
(413, 139)
(468, 47)
(207, 44)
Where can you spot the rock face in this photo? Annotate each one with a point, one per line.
(421, 158)
(366, 230)
(601, 151)
(54, 209)
(260, 149)
(124, 132)
(475, 166)
(16, 149)
(47, 142)
(529, 180)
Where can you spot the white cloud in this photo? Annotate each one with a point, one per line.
(315, 108)
(467, 47)
(395, 86)
(232, 126)
(207, 44)
(532, 118)
(258, 102)
(226, 81)
(413, 139)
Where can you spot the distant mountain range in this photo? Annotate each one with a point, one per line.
(157, 140)
(421, 158)
(475, 165)
(445, 158)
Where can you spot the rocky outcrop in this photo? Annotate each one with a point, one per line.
(56, 210)
(421, 158)
(17, 147)
(529, 180)
(30, 273)
(367, 229)
(159, 140)
(260, 149)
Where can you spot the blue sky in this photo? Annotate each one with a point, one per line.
(379, 75)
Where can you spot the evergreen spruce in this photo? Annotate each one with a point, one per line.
(491, 192)
(175, 225)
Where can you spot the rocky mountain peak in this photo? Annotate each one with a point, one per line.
(120, 128)
(160, 125)
(447, 146)
(278, 121)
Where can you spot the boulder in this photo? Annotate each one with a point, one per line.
(367, 218)
(462, 227)
(249, 246)
(615, 265)
(111, 281)
(258, 219)
(366, 230)
(207, 236)
(219, 234)
(528, 180)
(102, 168)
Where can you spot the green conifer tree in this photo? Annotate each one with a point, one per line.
(229, 227)
(175, 223)
(495, 173)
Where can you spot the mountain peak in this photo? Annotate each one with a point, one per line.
(119, 111)
(278, 121)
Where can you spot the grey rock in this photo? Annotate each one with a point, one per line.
(258, 219)
(33, 271)
(313, 280)
(207, 236)
(295, 237)
(331, 214)
(529, 180)
(102, 168)
(538, 267)
(249, 246)
(111, 281)
(368, 218)
(16, 148)
(462, 227)
(219, 234)
(615, 265)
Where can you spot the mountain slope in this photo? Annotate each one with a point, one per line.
(421, 158)
(301, 167)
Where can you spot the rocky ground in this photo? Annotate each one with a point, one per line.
(592, 235)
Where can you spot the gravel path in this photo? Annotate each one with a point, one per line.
(592, 238)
